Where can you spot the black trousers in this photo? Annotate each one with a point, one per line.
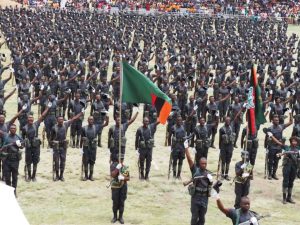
(289, 173)
(59, 157)
(145, 155)
(240, 190)
(118, 196)
(273, 160)
(76, 127)
(252, 155)
(32, 155)
(198, 213)
(11, 168)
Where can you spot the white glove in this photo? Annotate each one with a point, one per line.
(119, 166)
(68, 91)
(194, 151)
(214, 194)
(42, 87)
(49, 104)
(210, 178)
(217, 113)
(254, 221)
(170, 149)
(137, 152)
(244, 105)
(83, 110)
(244, 175)
(297, 79)
(243, 166)
(231, 91)
(12, 70)
(269, 109)
(24, 107)
(18, 143)
(93, 90)
(271, 92)
(186, 144)
(289, 111)
(120, 177)
(79, 72)
(293, 92)
(269, 134)
(195, 107)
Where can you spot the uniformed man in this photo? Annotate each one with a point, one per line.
(274, 148)
(178, 135)
(243, 170)
(200, 140)
(32, 144)
(226, 141)
(190, 115)
(113, 137)
(144, 143)
(240, 215)
(97, 109)
(74, 108)
(290, 165)
(120, 175)
(59, 144)
(89, 143)
(200, 187)
(12, 145)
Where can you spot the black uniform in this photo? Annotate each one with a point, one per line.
(76, 107)
(11, 162)
(252, 145)
(113, 140)
(59, 145)
(144, 141)
(201, 190)
(226, 141)
(201, 141)
(32, 147)
(89, 142)
(96, 109)
(242, 185)
(178, 134)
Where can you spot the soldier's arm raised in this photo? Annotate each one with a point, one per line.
(16, 116)
(133, 118)
(9, 95)
(75, 117)
(221, 207)
(42, 117)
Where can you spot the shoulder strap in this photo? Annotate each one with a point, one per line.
(238, 215)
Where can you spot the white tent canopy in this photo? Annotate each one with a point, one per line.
(10, 211)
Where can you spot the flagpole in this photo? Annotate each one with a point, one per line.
(120, 111)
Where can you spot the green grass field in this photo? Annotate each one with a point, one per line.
(158, 202)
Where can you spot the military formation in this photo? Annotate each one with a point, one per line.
(68, 63)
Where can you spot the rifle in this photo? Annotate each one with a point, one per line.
(219, 166)
(266, 163)
(285, 153)
(170, 165)
(197, 177)
(248, 222)
(167, 136)
(43, 136)
(25, 172)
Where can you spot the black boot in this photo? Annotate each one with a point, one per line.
(283, 198)
(73, 142)
(147, 176)
(121, 220)
(99, 141)
(174, 171)
(179, 172)
(57, 176)
(28, 173)
(91, 172)
(289, 196)
(114, 219)
(34, 173)
(61, 177)
(77, 142)
(226, 172)
(142, 174)
(85, 178)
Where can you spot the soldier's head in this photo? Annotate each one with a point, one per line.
(179, 120)
(118, 121)
(236, 99)
(202, 121)
(245, 155)
(13, 129)
(91, 120)
(192, 98)
(277, 100)
(294, 141)
(211, 99)
(77, 96)
(30, 119)
(2, 119)
(98, 97)
(245, 204)
(227, 121)
(275, 120)
(202, 163)
(60, 120)
(146, 121)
